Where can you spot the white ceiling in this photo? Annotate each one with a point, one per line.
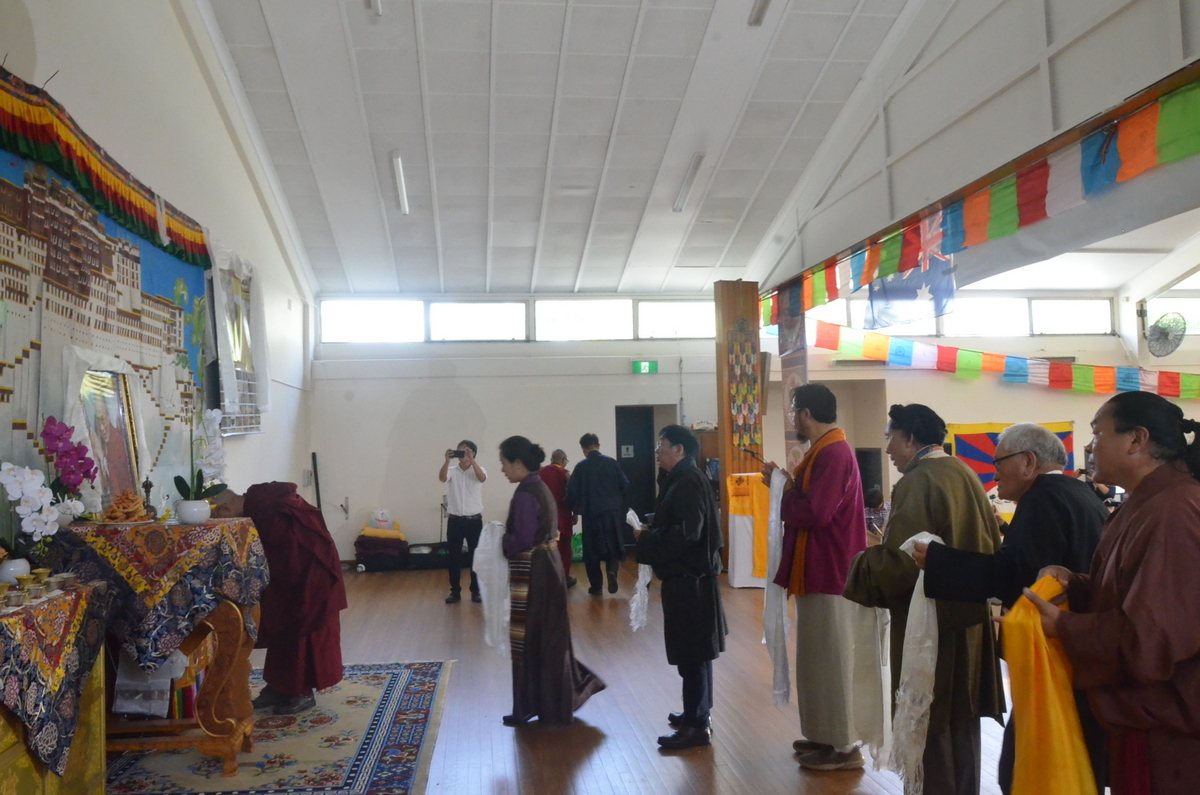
(543, 143)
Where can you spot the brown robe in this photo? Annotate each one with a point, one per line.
(548, 682)
(1133, 633)
(299, 627)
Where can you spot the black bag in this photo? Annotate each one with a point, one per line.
(430, 556)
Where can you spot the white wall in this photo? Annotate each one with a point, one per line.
(381, 425)
(129, 76)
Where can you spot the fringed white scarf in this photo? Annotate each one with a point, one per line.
(640, 602)
(491, 567)
(775, 597)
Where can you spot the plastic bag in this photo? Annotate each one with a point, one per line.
(910, 723)
(491, 567)
(136, 692)
(640, 602)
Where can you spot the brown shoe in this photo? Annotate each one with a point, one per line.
(832, 759)
(801, 747)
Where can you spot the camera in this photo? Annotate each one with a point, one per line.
(459, 454)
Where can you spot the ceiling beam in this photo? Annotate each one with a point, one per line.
(422, 70)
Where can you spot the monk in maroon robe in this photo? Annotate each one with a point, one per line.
(556, 477)
(1133, 630)
(299, 627)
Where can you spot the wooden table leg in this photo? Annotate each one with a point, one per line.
(223, 709)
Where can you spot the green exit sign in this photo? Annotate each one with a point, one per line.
(641, 368)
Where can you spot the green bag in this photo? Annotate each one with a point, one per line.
(577, 547)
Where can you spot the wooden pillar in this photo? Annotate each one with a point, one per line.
(740, 385)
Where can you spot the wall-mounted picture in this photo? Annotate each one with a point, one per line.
(114, 444)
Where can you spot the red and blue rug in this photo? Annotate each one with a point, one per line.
(372, 734)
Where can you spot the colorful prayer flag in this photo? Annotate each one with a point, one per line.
(924, 356)
(1179, 124)
(993, 362)
(827, 335)
(1031, 192)
(1100, 159)
(910, 249)
(976, 214)
(1105, 379)
(1064, 186)
(851, 341)
(1189, 385)
(832, 291)
(1083, 378)
(947, 360)
(1061, 376)
(1148, 381)
(806, 291)
(1136, 136)
(875, 346)
(970, 363)
(1039, 372)
(1003, 219)
(1128, 379)
(1016, 370)
(1168, 384)
(871, 266)
(889, 255)
(900, 352)
(858, 262)
(954, 234)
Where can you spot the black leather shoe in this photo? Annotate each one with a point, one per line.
(268, 698)
(571, 582)
(594, 591)
(509, 720)
(475, 597)
(675, 719)
(686, 737)
(453, 597)
(296, 704)
(612, 582)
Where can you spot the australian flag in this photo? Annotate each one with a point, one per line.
(913, 295)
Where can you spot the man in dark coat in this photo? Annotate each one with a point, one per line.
(683, 544)
(299, 624)
(1057, 523)
(596, 492)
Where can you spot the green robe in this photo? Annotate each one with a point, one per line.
(941, 495)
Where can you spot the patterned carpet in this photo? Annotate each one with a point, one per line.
(373, 733)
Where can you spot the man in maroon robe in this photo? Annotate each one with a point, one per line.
(556, 476)
(299, 625)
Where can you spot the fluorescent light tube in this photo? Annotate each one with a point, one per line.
(398, 174)
(757, 12)
(688, 179)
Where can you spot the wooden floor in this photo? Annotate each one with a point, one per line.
(611, 747)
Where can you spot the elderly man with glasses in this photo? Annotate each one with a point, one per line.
(1057, 522)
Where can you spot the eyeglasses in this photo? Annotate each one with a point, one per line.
(996, 461)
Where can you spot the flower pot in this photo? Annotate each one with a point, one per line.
(10, 568)
(193, 511)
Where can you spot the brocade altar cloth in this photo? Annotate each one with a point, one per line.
(167, 577)
(47, 650)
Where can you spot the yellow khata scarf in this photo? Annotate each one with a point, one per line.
(801, 478)
(1050, 753)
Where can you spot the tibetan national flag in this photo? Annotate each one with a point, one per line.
(915, 295)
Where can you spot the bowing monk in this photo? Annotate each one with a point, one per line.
(299, 624)
(1133, 631)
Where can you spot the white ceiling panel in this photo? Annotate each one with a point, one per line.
(593, 75)
(392, 71)
(459, 113)
(456, 72)
(523, 115)
(514, 179)
(586, 115)
(529, 74)
(450, 25)
(601, 30)
(529, 27)
(660, 76)
(673, 31)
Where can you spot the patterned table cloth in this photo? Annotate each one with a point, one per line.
(167, 577)
(47, 650)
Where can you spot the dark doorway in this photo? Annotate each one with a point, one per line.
(635, 454)
(870, 467)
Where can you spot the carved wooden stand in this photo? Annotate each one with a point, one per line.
(224, 714)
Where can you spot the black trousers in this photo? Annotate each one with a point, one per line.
(459, 529)
(697, 693)
(595, 577)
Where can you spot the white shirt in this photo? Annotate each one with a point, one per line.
(466, 490)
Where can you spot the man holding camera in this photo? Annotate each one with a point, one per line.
(465, 512)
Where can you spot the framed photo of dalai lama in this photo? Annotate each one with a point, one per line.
(114, 444)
